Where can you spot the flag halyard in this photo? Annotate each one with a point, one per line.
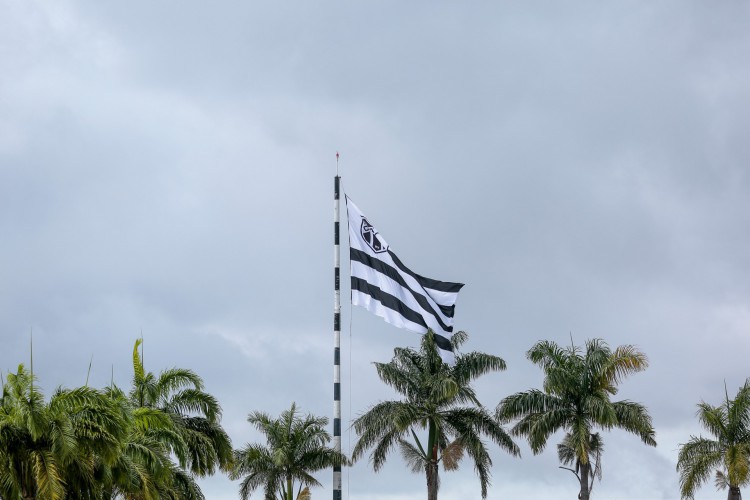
(383, 285)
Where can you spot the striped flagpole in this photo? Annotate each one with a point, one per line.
(336, 336)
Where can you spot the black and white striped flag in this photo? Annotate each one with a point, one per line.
(383, 285)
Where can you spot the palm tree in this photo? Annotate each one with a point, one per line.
(51, 449)
(296, 447)
(729, 423)
(576, 398)
(438, 398)
(198, 441)
(94, 445)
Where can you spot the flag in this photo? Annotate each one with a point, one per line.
(383, 285)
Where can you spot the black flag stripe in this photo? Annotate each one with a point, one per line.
(393, 303)
(392, 273)
(441, 286)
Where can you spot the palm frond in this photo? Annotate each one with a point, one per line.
(525, 403)
(634, 418)
(193, 402)
(624, 361)
(138, 371)
(415, 459)
(452, 455)
(695, 461)
(721, 480)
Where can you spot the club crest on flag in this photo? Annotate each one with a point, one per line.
(370, 235)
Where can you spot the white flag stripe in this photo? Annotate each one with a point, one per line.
(389, 315)
(383, 285)
(406, 296)
(442, 298)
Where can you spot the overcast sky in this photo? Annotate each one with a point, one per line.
(166, 169)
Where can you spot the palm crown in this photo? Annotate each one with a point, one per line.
(295, 447)
(438, 398)
(196, 436)
(576, 398)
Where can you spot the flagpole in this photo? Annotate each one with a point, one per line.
(336, 335)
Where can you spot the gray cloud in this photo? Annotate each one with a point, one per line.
(583, 168)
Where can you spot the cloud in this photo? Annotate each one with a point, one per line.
(167, 168)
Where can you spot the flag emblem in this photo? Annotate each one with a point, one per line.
(370, 235)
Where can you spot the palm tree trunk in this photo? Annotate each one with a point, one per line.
(432, 464)
(432, 480)
(289, 488)
(734, 493)
(584, 481)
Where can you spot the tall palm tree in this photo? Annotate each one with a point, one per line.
(296, 446)
(438, 399)
(576, 398)
(729, 423)
(198, 441)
